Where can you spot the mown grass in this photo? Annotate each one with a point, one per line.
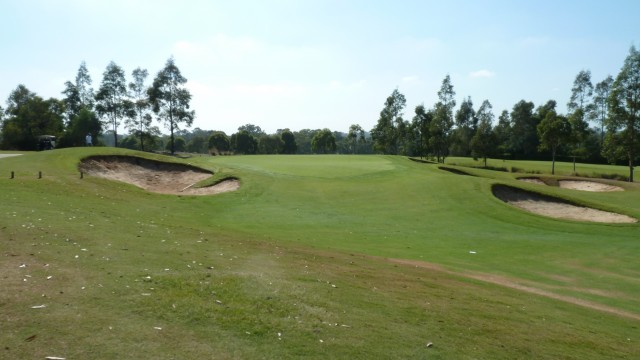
(293, 265)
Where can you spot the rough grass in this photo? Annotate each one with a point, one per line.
(294, 265)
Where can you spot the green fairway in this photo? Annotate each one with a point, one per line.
(313, 257)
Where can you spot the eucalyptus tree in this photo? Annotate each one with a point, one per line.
(420, 125)
(387, 134)
(355, 136)
(600, 106)
(554, 130)
(139, 120)
(466, 124)
(623, 123)
(112, 99)
(484, 142)
(170, 99)
(524, 138)
(579, 107)
(79, 94)
(442, 122)
(502, 132)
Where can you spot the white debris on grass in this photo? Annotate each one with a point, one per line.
(472, 252)
(54, 358)
(157, 327)
(39, 306)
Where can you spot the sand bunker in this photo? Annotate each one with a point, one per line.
(588, 186)
(155, 176)
(555, 208)
(582, 185)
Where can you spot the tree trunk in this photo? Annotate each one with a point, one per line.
(630, 169)
(172, 142)
(553, 161)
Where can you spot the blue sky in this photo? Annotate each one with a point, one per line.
(320, 63)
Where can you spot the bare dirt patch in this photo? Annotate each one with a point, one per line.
(588, 186)
(155, 176)
(555, 208)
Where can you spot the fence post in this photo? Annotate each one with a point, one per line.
(39, 174)
(12, 174)
(81, 175)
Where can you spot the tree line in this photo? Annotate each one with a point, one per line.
(601, 124)
(83, 111)
(527, 131)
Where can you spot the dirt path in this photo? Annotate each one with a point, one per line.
(512, 284)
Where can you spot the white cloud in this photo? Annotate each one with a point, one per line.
(483, 73)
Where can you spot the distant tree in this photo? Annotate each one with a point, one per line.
(130, 142)
(244, 143)
(83, 85)
(484, 142)
(303, 140)
(554, 130)
(355, 135)
(139, 120)
(324, 142)
(420, 125)
(269, 144)
(623, 123)
(466, 125)
(253, 130)
(289, 145)
(219, 143)
(442, 122)
(387, 134)
(600, 107)
(502, 131)
(198, 144)
(524, 137)
(85, 122)
(170, 100)
(79, 94)
(178, 145)
(579, 107)
(27, 117)
(112, 99)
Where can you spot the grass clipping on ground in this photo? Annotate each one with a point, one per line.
(155, 176)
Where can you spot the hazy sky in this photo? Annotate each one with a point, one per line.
(320, 63)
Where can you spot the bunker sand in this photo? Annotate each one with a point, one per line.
(556, 208)
(155, 176)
